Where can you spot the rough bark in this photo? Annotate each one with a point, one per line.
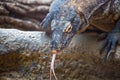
(23, 14)
(12, 40)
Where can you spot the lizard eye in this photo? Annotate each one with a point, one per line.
(68, 28)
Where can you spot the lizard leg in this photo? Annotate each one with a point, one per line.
(46, 23)
(111, 41)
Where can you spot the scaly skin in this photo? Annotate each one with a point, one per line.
(80, 14)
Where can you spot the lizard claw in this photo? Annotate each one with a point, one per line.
(110, 44)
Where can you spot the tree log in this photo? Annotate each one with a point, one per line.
(24, 15)
(18, 23)
(39, 2)
(12, 40)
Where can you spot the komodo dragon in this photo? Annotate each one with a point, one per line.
(67, 17)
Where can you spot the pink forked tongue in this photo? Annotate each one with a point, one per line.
(52, 71)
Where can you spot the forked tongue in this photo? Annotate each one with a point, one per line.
(52, 70)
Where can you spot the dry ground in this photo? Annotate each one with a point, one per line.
(69, 66)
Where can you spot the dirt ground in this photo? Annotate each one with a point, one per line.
(76, 63)
(68, 66)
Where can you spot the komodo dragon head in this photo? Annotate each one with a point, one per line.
(64, 23)
(64, 26)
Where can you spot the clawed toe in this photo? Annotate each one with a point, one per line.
(109, 45)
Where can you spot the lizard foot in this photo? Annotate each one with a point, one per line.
(109, 44)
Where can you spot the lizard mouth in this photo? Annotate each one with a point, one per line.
(54, 51)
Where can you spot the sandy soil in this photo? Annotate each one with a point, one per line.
(68, 66)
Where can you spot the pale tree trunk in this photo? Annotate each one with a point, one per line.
(12, 40)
